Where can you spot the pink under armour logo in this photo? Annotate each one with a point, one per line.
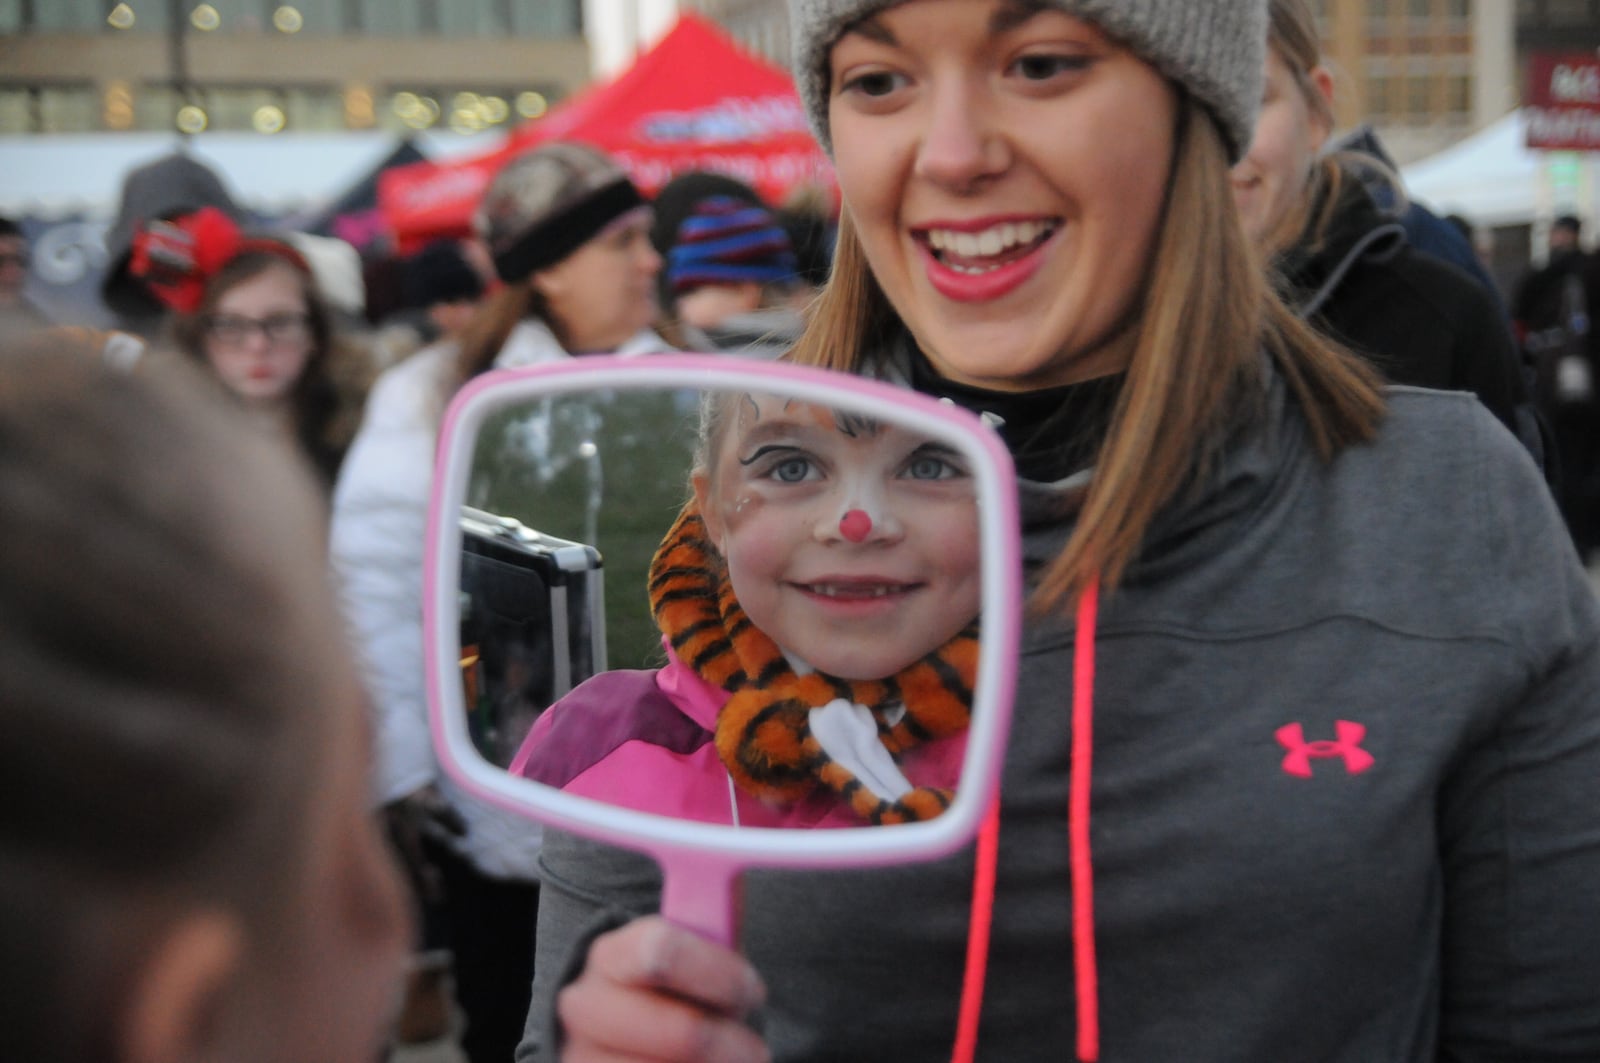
(1348, 745)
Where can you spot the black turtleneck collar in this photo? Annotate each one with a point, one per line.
(1051, 432)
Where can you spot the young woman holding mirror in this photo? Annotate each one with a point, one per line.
(189, 867)
(817, 592)
(1338, 660)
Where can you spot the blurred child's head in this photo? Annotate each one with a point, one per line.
(851, 541)
(188, 865)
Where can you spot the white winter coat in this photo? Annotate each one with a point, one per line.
(379, 517)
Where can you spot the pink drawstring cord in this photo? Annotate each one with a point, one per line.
(1085, 969)
(978, 934)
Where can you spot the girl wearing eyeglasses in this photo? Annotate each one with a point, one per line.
(263, 329)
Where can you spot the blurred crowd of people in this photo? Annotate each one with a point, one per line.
(348, 362)
(1551, 309)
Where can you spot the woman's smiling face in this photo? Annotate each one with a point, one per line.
(1006, 169)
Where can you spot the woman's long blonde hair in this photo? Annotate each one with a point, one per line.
(1207, 313)
(491, 325)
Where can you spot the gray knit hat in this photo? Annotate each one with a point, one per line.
(1216, 49)
(546, 203)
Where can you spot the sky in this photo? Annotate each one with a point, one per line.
(617, 29)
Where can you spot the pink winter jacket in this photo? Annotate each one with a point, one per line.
(644, 740)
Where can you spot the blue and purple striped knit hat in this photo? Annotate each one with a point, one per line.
(728, 241)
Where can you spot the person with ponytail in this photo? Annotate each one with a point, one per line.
(1307, 729)
(568, 233)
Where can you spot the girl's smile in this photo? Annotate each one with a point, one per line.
(853, 544)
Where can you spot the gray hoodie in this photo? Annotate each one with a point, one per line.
(1344, 805)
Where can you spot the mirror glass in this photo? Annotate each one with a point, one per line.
(730, 596)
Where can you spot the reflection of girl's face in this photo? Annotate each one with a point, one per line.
(853, 545)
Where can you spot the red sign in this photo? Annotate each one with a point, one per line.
(1564, 101)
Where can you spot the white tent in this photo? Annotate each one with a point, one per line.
(66, 174)
(1493, 178)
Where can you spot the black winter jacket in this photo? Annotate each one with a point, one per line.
(1418, 319)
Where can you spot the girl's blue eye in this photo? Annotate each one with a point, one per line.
(791, 470)
(929, 467)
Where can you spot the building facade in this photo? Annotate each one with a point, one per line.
(83, 66)
(1424, 72)
(760, 25)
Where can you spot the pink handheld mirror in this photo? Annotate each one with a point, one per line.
(864, 525)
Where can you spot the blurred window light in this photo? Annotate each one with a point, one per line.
(269, 119)
(192, 119)
(359, 109)
(406, 104)
(288, 19)
(464, 121)
(415, 111)
(121, 17)
(205, 18)
(532, 104)
(117, 108)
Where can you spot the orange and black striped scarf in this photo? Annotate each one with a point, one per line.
(763, 733)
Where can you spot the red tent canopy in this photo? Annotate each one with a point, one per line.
(697, 100)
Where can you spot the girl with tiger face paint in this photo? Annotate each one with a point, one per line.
(852, 542)
(818, 599)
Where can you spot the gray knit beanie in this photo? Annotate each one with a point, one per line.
(1216, 49)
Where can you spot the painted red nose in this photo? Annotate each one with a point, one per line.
(855, 525)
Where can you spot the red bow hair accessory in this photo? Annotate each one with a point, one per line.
(176, 259)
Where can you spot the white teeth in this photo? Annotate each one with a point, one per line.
(828, 590)
(989, 242)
